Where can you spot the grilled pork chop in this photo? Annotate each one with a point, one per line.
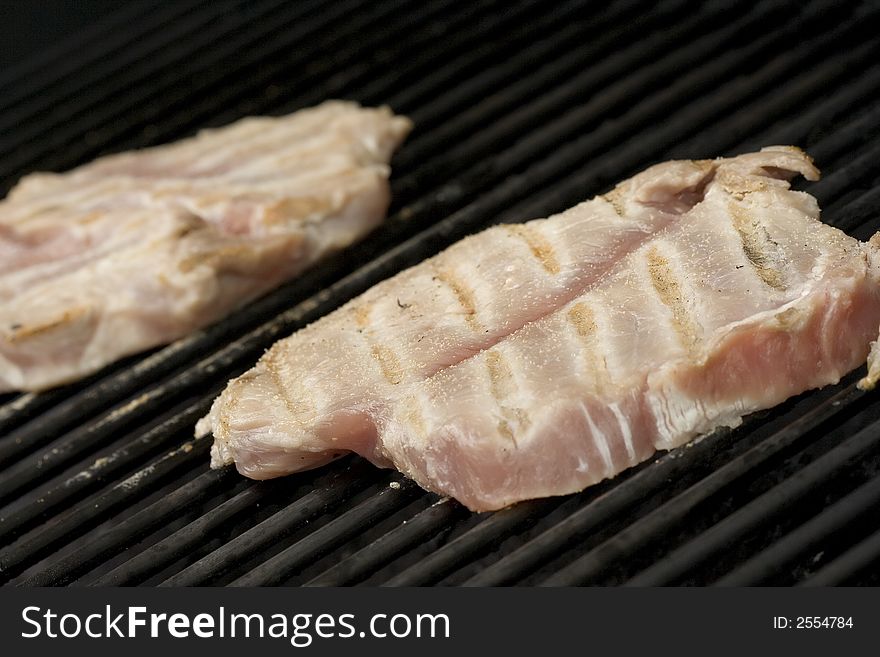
(138, 249)
(534, 360)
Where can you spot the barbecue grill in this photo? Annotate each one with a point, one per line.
(521, 109)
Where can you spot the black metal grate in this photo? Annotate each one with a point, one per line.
(521, 109)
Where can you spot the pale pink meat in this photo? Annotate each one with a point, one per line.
(537, 359)
(138, 249)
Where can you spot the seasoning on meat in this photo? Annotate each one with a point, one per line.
(538, 359)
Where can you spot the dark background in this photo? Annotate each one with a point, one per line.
(31, 28)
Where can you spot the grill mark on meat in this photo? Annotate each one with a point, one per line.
(216, 257)
(500, 376)
(362, 315)
(670, 293)
(272, 369)
(759, 248)
(388, 362)
(413, 415)
(280, 211)
(582, 317)
(538, 244)
(505, 430)
(615, 199)
(739, 186)
(223, 418)
(23, 331)
(502, 385)
(463, 294)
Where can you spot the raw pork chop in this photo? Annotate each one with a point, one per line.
(138, 249)
(536, 359)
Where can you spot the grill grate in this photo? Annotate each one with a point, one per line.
(519, 112)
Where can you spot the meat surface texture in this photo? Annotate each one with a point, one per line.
(138, 249)
(537, 359)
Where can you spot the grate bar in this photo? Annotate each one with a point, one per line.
(833, 186)
(530, 150)
(76, 522)
(320, 542)
(336, 85)
(758, 512)
(466, 31)
(549, 121)
(808, 536)
(737, 127)
(531, 98)
(23, 407)
(24, 512)
(855, 560)
(248, 96)
(322, 499)
(63, 452)
(35, 433)
(156, 557)
(413, 532)
(70, 98)
(23, 404)
(828, 111)
(846, 138)
(440, 117)
(141, 104)
(44, 69)
(622, 159)
(860, 213)
(94, 552)
(472, 543)
(528, 43)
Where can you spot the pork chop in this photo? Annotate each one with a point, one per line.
(537, 359)
(138, 249)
